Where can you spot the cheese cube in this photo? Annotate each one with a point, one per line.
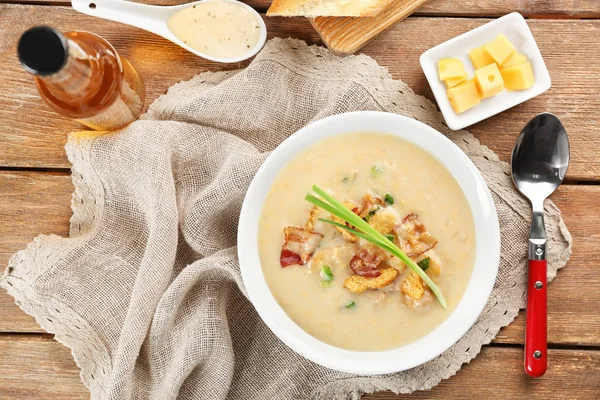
(500, 49)
(463, 96)
(489, 81)
(449, 68)
(518, 77)
(480, 58)
(516, 59)
(455, 81)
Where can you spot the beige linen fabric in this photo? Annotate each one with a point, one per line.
(147, 291)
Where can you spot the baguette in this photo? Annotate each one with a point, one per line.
(330, 8)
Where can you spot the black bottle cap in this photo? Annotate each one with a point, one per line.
(43, 50)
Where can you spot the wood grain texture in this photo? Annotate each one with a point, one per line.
(33, 136)
(36, 367)
(346, 35)
(32, 203)
(475, 8)
(35, 203)
(497, 373)
(40, 368)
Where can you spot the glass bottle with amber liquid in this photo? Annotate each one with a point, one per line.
(81, 76)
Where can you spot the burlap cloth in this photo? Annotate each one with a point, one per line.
(147, 291)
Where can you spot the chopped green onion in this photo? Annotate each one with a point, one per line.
(424, 263)
(325, 284)
(350, 304)
(326, 273)
(376, 170)
(389, 237)
(367, 232)
(389, 199)
(351, 176)
(371, 213)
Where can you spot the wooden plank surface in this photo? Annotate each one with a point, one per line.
(40, 368)
(32, 203)
(347, 35)
(33, 136)
(478, 8)
(37, 367)
(35, 203)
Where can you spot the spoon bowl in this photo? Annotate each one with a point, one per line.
(540, 157)
(539, 163)
(154, 19)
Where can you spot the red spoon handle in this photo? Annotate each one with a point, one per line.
(536, 357)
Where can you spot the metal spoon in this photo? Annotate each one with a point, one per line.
(154, 19)
(539, 162)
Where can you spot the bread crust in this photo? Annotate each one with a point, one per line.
(359, 284)
(329, 8)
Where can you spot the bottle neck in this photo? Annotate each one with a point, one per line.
(75, 76)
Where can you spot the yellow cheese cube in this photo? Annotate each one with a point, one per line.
(449, 68)
(489, 81)
(463, 96)
(518, 77)
(516, 59)
(480, 58)
(455, 81)
(500, 49)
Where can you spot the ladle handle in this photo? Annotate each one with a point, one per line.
(143, 16)
(536, 353)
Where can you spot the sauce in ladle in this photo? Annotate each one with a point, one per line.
(217, 28)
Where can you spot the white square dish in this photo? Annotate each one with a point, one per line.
(516, 30)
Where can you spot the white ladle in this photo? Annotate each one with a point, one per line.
(154, 19)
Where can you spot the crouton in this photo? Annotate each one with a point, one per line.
(312, 218)
(413, 286)
(359, 284)
(396, 263)
(347, 235)
(384, 221)
(435, 264)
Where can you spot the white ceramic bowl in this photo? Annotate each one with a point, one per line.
(486, 259)
(515, 28)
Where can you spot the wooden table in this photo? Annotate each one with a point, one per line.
(35, 186)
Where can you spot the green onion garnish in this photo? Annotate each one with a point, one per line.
(367, 232)
(371, 213)
(325, 284)
(326, 274)
(424, 263)
(350, 304)
(345, 179)
(389, 237)
(389, 199)
(376, 170)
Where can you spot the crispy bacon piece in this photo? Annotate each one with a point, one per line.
(365, 264)
(299, 245)
(369, 202)
(413, 237)
(288, 258)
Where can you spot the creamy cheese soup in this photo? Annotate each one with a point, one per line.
(404, 193)
(217, 28)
